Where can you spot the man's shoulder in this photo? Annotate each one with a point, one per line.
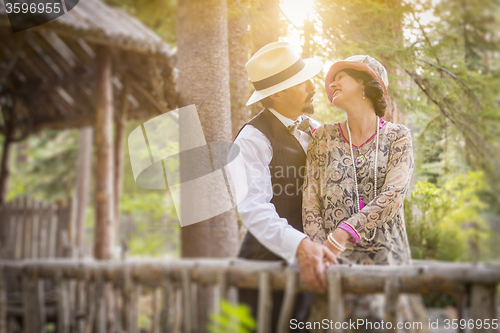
(250, 134)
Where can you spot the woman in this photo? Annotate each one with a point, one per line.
(358, 173)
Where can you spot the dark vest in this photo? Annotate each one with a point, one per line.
(287, 175)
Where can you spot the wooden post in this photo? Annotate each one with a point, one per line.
(34, 304)
(100, 305)
(130, 295)
(80, 306)
(483, 306)
(63, 315)
(391, 290)
(104, 223)
(221, 290)
(288, 303)
(91, 291)
(156, 314)
(168, 299)
(28, 227)
(335, 301)
(186, 292)
(83, 173)
(121, 121)
(19, 224)
(265, 303)
(5, 164)
(3, 303)
(35, 230)
(8, 231)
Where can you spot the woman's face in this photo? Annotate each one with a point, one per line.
(345, 89)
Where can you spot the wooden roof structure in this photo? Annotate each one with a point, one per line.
(48, 73)
(95, 66)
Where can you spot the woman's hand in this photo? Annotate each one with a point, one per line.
(341, 236)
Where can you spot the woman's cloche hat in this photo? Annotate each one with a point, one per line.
(362, 63)
(276, 67)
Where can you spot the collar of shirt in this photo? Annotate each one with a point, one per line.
(286, 121)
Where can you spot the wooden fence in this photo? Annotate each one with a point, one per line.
(173, 282)
(31, 229)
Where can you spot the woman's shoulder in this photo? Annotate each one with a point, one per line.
(397, 131)
(325, 131)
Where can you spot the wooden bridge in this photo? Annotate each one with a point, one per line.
(80, 290)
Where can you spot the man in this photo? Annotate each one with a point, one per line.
(273, 146)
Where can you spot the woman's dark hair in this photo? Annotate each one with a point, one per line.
(373, 89)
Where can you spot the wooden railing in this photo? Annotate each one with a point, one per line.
(174, 280)
(32, 229)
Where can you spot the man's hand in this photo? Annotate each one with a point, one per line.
(312, 265)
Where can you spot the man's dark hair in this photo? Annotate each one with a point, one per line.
(373, 90)
(267, 102)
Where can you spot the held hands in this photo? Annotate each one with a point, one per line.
(312, 263)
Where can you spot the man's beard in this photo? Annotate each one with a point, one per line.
(308, 109)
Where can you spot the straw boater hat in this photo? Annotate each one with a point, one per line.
(361, 63)
(276, 67)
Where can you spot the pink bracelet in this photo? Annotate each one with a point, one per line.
(354, 234)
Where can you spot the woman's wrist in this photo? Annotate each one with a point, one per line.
(349, 229)
(335, 243)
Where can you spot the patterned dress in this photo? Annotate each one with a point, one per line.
(330, 199)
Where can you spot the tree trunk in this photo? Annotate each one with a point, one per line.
(204, 81)
(104, 224)
(238, 56)
(83, 174)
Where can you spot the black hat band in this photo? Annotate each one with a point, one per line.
(279, 77)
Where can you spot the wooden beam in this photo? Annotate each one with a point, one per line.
(359, 279)
(13, 60)
(60, 47)
(105, 224)
(33, 43)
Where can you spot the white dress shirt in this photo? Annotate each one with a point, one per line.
(257, 212)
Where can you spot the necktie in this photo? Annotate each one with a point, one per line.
(301, 125)
(293, 126)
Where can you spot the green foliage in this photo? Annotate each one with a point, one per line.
(158, 15)
(447, 223)
(147, 210)
(44, 166)
(232, 319)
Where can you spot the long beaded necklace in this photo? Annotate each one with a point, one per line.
(360, 200)
(361, 159)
